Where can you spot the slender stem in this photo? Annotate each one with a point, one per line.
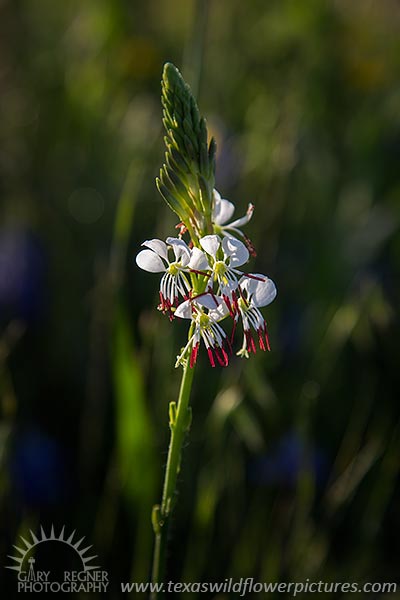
(180, 417)
(180, 414)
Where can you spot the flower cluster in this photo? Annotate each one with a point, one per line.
(202, 282)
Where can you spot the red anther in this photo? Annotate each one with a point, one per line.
(193, 355)
(261, 340)
(249, 245)
(225, 355)
(219, 358)
(165, 307)
(211, 357)
(266, 338)
(251, 347)
(223, 360)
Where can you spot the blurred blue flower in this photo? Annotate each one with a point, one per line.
(285, 463)
(38, 467)
(22, 276)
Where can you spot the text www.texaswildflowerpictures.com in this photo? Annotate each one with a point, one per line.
(249, 585)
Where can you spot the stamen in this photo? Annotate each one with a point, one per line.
(182, 229)
(235, 299)
(232, 312)
(228, 343)
(261, 340)
(251, 347)
(250, 276)
(211, 357)
(193, 355)
(211, 292)
(233, 332)
(165, 307)
(203, 273)
(266, 337)
(223, 360)
(249, 245)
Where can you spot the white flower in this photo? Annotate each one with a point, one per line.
(223, 211)
(205, 326)
(174, 282)
(256, 290)
(225, 257)
(209, 280)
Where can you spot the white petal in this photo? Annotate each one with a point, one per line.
(243, 220)
(236, 250)
(208, 300)
(150, 261)
(158, 246)
(184, 310)
(216, 201)
(198, 260)
(181, 250)
(261, 291)
(217, 195)
(211, 244)
(230, 286)
(223, 209)
(217, 314)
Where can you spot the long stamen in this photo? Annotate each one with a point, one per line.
(211, 292)
(250, 276)
(203, 273)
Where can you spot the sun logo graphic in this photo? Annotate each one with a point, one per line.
(59, 550)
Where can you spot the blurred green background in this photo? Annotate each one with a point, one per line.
(292, 466)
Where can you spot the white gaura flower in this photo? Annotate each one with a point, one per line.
(223, 211)
(205, 311)
(224, 258)
(256, 290)
(174, 282)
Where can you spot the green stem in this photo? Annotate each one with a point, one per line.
(180, 418)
